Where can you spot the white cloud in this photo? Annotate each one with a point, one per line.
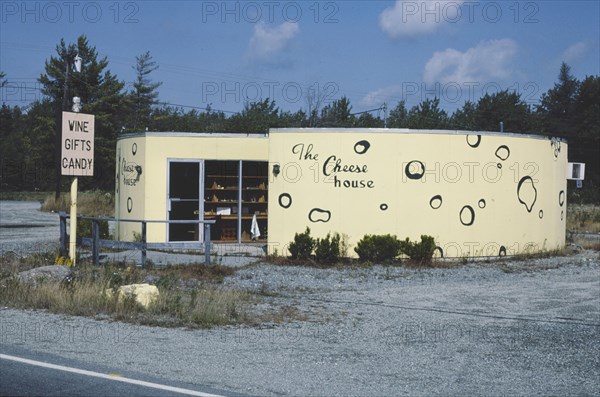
(267, 41)
(574, 52)
(488, 61)
(415, 18)
(377, 97)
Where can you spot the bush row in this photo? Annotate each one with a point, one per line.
(371, 248)
(327, 250)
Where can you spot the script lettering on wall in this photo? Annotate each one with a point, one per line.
(341, 173)
(129, 172)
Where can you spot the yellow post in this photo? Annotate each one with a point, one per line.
(73, 222)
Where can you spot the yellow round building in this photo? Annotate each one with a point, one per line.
(476, 193)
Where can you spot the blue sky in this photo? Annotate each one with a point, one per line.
(223, 53)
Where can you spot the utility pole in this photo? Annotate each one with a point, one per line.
(74, 187)
(58, 134)
(384, 115)
(379, 110)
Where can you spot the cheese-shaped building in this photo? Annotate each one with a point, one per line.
(476, 193)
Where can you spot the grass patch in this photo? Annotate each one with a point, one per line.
(583, 218)
(24, 196)
(11, 264)
(585, 242)
(203, 305)
(94, 203)
(199, 308)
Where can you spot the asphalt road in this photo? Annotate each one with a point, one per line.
(32, 373)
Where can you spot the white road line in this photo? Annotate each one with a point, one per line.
(108, 377)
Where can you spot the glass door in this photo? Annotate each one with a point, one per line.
(221, 198)
(185, 199)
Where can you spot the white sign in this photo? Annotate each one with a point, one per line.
(576, 171)
(77, 153)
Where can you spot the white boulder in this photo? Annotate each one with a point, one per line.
(144, 294)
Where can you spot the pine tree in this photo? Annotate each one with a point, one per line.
(465, 118)
(257, 117)
(398, 116)
(101, 95)
(144, 94)
(503, 107)
(557, 105)
(427, 115)
(337, 114)
(586, 110)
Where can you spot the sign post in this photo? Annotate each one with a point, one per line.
(77, 159)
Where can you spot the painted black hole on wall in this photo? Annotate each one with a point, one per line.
(527, 193)
(467, 215)
(383, 207)
(502, 251)
(361, 147)
(435, 202)
(134, 148)
(415, 169)
(481, 203)
(285, 200)
(473, 140)
(129, 204)
(319, 215)
(561, 198)
(503, 152)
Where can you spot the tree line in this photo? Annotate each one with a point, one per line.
(28, 137)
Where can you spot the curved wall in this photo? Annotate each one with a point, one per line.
(478, 194)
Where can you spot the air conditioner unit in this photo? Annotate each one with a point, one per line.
(576, 171)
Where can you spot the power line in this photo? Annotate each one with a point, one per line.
(207, 109)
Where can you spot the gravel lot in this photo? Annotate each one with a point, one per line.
(504, 328)
(25, 230)
(501, 328)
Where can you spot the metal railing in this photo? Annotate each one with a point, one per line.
(96, 242)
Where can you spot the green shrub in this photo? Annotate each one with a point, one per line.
(419, 251)
(377, 248)
(327, 250)
(302, 246)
